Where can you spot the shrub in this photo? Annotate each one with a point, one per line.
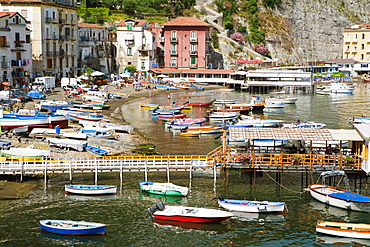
(238, 37)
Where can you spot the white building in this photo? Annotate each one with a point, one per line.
(135, 45)
(15, 49)
(53, 34)
(94, 49)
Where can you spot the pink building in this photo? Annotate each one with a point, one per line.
(184, 43)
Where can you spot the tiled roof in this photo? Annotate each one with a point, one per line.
(362, 26)
(138, 23)
(186, 21)
(82, 24)
(2, 14)
(342, 61)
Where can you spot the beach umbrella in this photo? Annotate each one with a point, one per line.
(97, 73)
(124, 75)
(162, 76)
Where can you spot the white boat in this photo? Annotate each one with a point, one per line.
(359, 120)
(290, 100)
(163, 189)
(248, 120)
(188, 214)
(251, 206)
(20, 153)
(90, 189)
(67, 143)
(225, 101)
(344, 229)
(223, 116)
(338, 87)
(305, 124)
(338, 197)
(274, 103)
(106, 126)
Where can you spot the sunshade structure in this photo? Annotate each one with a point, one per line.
(97, 73)
(303, 134)
(162, 76)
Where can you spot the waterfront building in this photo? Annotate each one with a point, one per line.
(94, 47)
(15, 49)
(53, 34)
(184, 44)
(135, 45)
(356, 42)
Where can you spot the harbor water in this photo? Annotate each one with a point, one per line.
(126, 216)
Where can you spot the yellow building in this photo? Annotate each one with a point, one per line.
(356, 43)
(53, 34)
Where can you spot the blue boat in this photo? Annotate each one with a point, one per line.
(96, 151)
(69, 227)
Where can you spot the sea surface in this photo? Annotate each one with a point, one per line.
(129, 224)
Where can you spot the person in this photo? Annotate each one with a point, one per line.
(57, 130)
(328, 149)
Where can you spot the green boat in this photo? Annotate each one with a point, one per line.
(164, 189)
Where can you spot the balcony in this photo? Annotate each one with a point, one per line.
(173, 53)
(174, 65)
(5, 29)
(173, 40)
(193, 39)
(55, 21)
(5, 64)
(4, 44)
(193, 66)
(19, 43)
(48, 19)
(19, 63)
(193, 53)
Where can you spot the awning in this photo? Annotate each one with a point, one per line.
(75, 69)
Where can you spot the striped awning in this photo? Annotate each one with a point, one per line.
(304, 134)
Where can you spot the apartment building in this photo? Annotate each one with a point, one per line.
(136, 45)
(15, 50)
(53, 34)
(94, 47)
(184, 43)
(357, 42)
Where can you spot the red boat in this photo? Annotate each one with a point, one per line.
(200, 104)
(175, 116)
(188, 214)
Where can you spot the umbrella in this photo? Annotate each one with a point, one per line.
(124, 75)
(97, 73)
(80, 89)
(162, 76)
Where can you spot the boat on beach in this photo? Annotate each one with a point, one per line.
(188, 214)
(337, 197)
(90, 189)
(69, 227)
(96, 151)
(164, 189)
(344, 229)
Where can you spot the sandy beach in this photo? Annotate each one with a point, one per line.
(114, 113)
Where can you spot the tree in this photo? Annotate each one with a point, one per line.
(131, 69)
(261, 49)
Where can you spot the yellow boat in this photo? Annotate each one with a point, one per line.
(149, 105)
(185, 134)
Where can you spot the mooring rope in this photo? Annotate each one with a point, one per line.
(298, 192)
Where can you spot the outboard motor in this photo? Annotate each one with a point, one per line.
(158, 206)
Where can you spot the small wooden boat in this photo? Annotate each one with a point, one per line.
(251, 206)
(344, 229)
(195, 104)
(69, 227)
(165, 189)
(90, 189)
(225, 101)
(174, 116)
(338, 197)
(188, 214)
(223, 116)
(96, 151)
(186, 134)
(206, 130)
(148, 105)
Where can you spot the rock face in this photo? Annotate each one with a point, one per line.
(310, 30)
(316, 28)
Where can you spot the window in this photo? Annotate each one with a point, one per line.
(28, 38)
(363, 36)
(355, 36)
(24, 13)
(193, 49)
(193, 35)
(50, 63)
(362, 57)
(174, 35)
(173, 49)
(67, 62)
(362, 46)
(173, 62)
(129, 51)
(193, 60)
(129, 25)
(142, 65)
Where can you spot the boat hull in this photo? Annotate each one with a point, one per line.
(340, 198)
(349, 230)
(190, 219)
(163, 189)
(72, 227)
(252, 206)
(91, 189)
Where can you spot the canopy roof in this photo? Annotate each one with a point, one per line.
(304, 134)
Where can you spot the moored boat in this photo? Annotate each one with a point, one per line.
(338, 197)
(90, 189)
(200, 104)
(344, 229)
(188, 214)
(251, 206)
(69, 227)
(165, 189)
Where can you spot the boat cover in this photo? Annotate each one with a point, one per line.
(349, 196)
(68, 143)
